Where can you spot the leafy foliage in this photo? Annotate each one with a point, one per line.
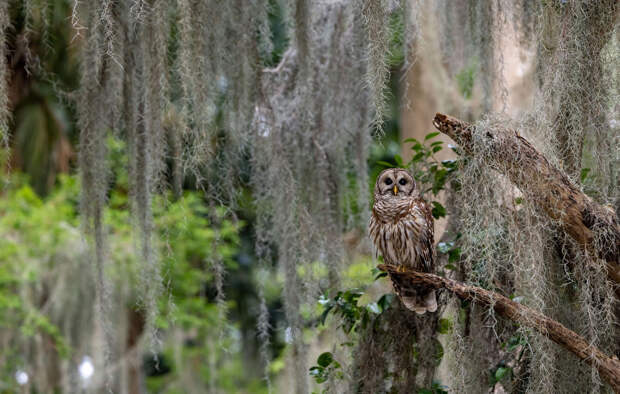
(499, 373)
(50, 226)
(354, 316)
(353, 319)
(327, 367)
(47, 226)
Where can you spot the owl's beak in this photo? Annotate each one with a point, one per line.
(395, 189)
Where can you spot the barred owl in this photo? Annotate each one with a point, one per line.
(401, 228)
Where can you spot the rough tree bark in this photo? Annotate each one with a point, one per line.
(608, 367)
(595, 227)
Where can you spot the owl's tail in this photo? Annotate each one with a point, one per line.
(421, 303)
(418, 299)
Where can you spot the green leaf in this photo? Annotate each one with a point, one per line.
(326, 313)
(436, 143)
(417, 157)
(320, 374)
(381, 275)
(398, 160)
(352, 295)
(325, 359)
(377, 273)
(584, 173)
(501, 372)
(438, 210)
(417, 147)
(431, 135)
(385, 301)
(454, 255)
(385, 164)
(315, 370)
(451, 164)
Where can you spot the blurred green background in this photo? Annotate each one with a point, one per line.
(208, 339)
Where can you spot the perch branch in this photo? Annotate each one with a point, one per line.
(608, 368)
(595, 227)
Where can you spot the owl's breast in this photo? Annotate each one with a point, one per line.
(397, 240)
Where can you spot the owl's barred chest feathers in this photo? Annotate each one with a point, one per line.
(399, 228)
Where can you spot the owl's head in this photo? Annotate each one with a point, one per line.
(394, 182)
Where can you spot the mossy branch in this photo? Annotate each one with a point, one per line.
(595, 227)
(608, 367)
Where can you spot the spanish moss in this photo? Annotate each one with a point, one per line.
(4, 110)
(223, 153)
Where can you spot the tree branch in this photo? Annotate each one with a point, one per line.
(608, 368)
(595, 227)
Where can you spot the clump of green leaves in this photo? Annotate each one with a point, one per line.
(54, 263)
(326, 367)
(47, 226)
(354, 316)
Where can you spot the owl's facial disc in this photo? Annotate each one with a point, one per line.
(394, 182)
(386, 184)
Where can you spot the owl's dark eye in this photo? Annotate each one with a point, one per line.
(388, 181)
(403, 181)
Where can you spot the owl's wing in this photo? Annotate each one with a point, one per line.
(425, 246)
